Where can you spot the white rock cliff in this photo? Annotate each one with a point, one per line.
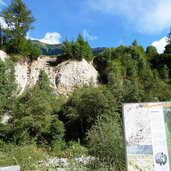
(64, 77)
(3, 55)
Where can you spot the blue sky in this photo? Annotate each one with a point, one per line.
(104, 23)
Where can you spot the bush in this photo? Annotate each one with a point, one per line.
(75, 149)
(69, 150)
(58, 148)
(106, 142)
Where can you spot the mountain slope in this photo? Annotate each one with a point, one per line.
(48, 49)
(56, 49)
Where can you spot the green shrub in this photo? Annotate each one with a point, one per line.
(106, 143)
(17, 58)
(75, 149)
(58, 148)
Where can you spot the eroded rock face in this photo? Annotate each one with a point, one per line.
(41, 64)
(27, 73)
(72, 74)
(64, 77)
(21, 69)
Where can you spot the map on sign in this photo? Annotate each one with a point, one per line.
(148, 136)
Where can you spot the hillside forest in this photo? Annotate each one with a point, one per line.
(87, 122)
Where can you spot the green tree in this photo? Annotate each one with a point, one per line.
(151, 51)
(43, 82)
(83, 107)
(83, 49)
(165, 73)
(160, 62)
(45, 85)
(78, 50)
(135, 43)
(18, 19)
(106, 142)
(31, 50)
(7, 85)
(167, 49)
(33, 120)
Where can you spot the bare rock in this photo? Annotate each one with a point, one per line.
(3, 55)
(64, 77)
(72, 74)
(21, 75)
(41, 64)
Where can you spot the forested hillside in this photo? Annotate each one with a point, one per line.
(56, 49)
(39, 125)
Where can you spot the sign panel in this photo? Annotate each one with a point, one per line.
(148, 136)
(10, 168)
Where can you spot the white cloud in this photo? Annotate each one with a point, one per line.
(148, 17)
(160, 44)
(3, 23)
(50, 38)
(87, 36)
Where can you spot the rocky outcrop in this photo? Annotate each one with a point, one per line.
(3, 55)
(64, 164)
(41, 64)
(64, 77)
(72, 74)
(21, 69)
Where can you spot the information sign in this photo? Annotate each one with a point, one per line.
(148, 136)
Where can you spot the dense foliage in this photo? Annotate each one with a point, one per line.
(77, 50)
(83, 107)
(105, 141)
(128, 73)
(162, 62)
(33, 118)
(7, 86)
(86, 122)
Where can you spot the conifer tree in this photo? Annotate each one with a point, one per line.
(19, 21)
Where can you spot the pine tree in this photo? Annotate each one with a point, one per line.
(18, 19)
(43, 82)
